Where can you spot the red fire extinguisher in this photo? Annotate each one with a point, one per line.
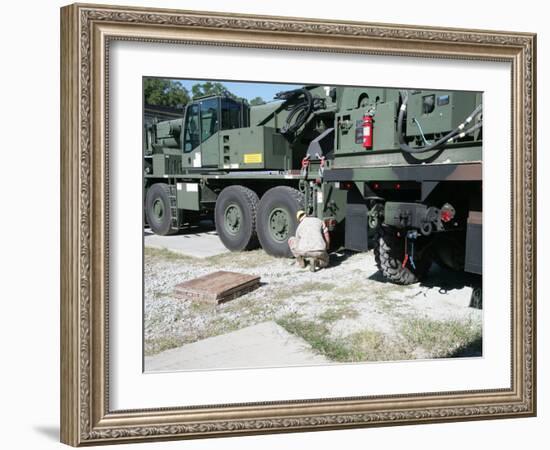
(367, 131)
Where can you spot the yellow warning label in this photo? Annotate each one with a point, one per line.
(252, 158)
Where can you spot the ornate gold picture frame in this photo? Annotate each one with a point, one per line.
(86, 34)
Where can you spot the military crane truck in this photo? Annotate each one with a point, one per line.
(397, 167)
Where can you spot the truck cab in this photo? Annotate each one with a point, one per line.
(204, 119)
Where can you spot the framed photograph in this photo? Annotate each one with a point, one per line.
(281, 224)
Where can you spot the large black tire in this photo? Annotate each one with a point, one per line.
(158, 211)
(235, 217)
(277, 219)
(389, 252)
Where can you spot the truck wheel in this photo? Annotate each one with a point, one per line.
(277, 219)
(235, 217)
(158, 211)
(389, 252)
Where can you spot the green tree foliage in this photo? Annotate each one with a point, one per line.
(163, 92)
(257, 101)
(210, 88)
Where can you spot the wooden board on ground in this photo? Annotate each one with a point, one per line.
(217, 287)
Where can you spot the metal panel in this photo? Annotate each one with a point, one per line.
(474, 240)
(254, 148)
(431, 172)
(403, 215)
(444, 116)
(188, 196)
(356, 224)
(384, 132)
(166, 164)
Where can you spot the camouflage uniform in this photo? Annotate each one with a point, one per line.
(309, 242)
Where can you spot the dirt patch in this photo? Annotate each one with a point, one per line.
(346, 312)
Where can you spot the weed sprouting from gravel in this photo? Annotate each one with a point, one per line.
(161, 344)
(372, 345)
(243, 260)
(366, 345)
(343, 312)
(289, 292)
(166, 255)
(441, 338)
(317, 335)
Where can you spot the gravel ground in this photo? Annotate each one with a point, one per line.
(346, 312)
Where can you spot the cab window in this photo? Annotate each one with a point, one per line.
(231, 114)
(192, 129)
(209, 118)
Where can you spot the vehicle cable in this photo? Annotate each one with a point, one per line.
(449, 137)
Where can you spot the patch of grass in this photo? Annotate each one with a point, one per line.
(245, 260)
(390, 306)
(216, 327)
(365, 345)
(349, 289)
(343, 301)
(201, 307)
(317, 335)
(314, 286)
(385, 304)
(162, 253)
(303, 288)
(441, 339)
(253, 306)
(334, 314)
(160, 294)
(372, 345)
(388, 289)
(220, 325)
(155, 346)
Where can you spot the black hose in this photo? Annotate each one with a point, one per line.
(299, 114)
(449, 136)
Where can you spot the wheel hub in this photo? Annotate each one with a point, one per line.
(158, 209)
(279, 224)
(233, 219)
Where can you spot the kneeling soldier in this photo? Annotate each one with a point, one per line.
(311, 242)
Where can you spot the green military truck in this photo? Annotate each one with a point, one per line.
(397, 169)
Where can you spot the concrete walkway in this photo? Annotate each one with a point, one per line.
(200, 242)
(264, 345)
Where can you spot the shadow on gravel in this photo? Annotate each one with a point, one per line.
(474, 348)
(447, 280)
(377, 276)
(338, 257)
(204, 226)
(440, 278)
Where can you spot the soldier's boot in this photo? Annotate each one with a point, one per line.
(323, 261)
